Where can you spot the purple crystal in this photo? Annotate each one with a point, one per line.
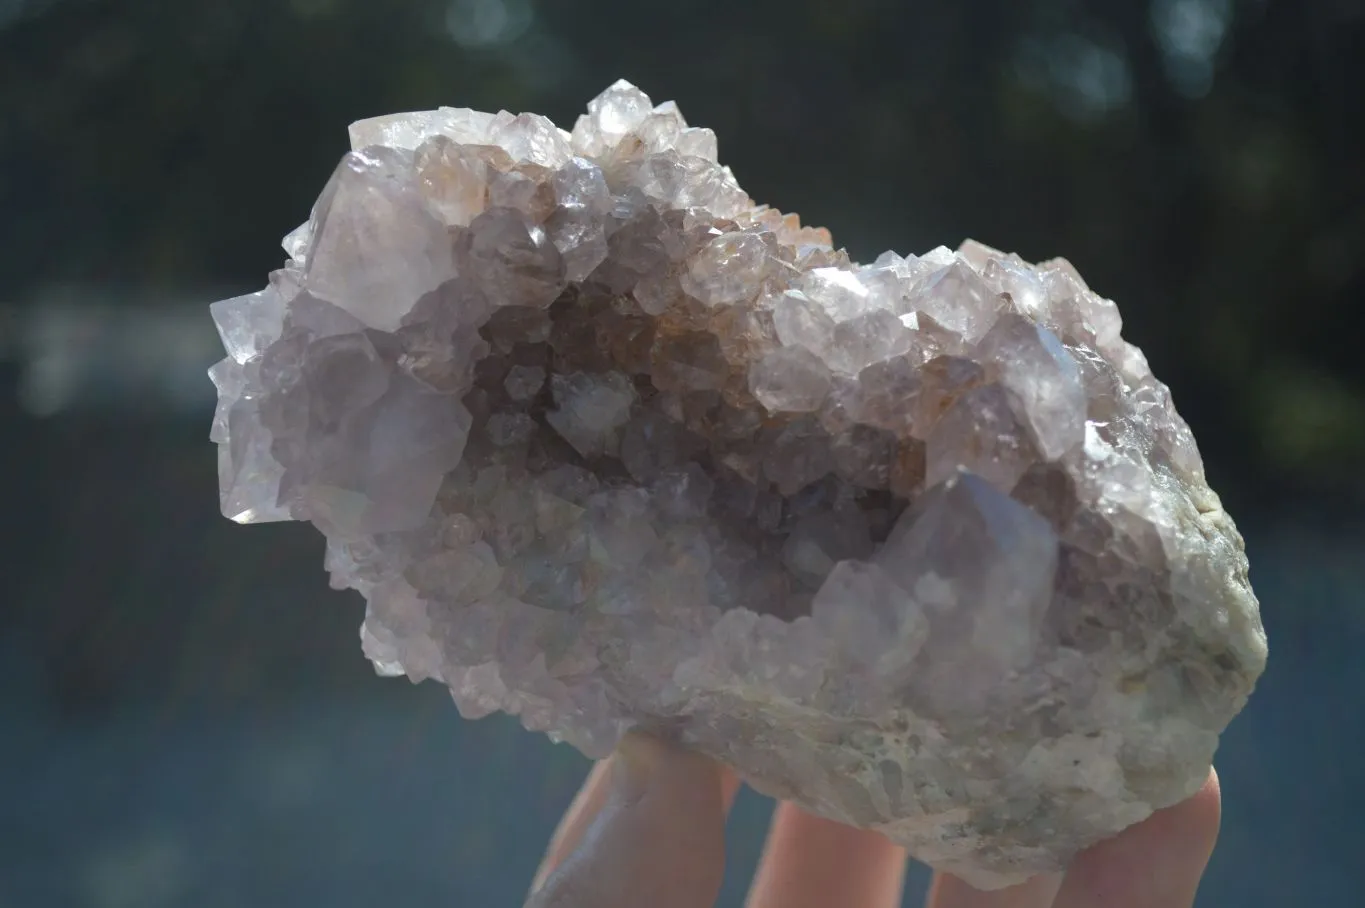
(922, 545)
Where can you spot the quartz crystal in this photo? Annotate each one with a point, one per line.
(921, 545)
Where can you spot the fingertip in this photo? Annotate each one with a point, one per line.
(644, 762)
(1190, 827)
(1206, 809)
(658, 839)
(947, 891)
(578, 818)
(812, 861)
(1157, 863)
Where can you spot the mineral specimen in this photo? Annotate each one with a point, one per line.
(920, 545)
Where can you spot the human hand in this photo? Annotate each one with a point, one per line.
(647, 829)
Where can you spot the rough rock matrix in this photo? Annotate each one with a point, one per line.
(921, 545)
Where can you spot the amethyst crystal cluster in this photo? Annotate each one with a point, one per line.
(921, 545)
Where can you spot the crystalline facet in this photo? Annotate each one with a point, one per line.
(590, 409)
(511, 259)
(248, 324)
(534, 139)
(524, 382)
(790, 379)
(729, 269)
(454, 180)
(610, 117)
(375, 248)
(982, 566)
(871, 616)
(248, 473)
(799, 322)
(607, 445)
(980, 432)
(839, 292)
(1038, 369)
(409, 130)
(957, 298)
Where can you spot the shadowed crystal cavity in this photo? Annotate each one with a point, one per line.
(922, 545)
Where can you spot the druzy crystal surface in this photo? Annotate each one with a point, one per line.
(921, 545)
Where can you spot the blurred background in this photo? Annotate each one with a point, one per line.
(185, 715)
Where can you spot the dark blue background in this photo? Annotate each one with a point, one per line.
(185, 715)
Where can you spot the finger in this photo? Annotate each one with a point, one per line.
(658, 837)
(587, 804)
(948, 891)
(1155, 864)
(584, 809)
(810, 862)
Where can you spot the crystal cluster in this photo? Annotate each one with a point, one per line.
(921, 545)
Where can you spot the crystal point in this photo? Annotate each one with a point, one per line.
(375, 248)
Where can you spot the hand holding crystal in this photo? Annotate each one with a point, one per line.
(648, 826)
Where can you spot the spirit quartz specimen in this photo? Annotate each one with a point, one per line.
(920, 545)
